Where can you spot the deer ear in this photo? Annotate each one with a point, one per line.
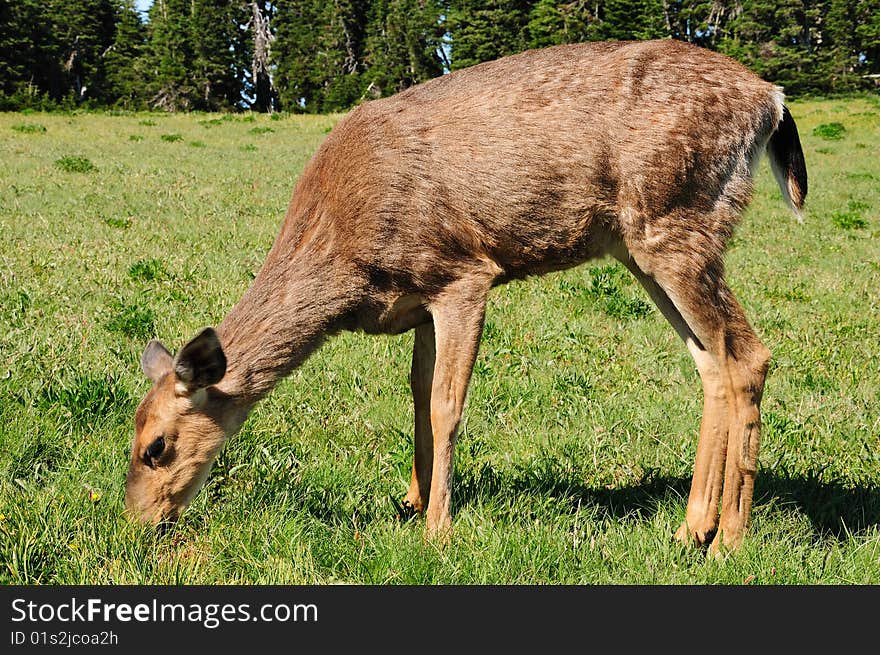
(201, 362)
(156, 360)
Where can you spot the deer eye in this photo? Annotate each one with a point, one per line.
(154, 450)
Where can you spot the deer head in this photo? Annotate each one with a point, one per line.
(180, 426)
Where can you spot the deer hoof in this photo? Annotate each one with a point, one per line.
(689, 537)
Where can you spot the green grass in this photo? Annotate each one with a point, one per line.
(575, 455)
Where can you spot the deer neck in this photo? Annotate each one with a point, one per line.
(291, 306)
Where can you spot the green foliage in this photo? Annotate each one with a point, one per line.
(171, 138)
(220, 52)
(132, 320)
(147, 270)
(849, 220)
(319, 53)
(30, 128)
(84, 398)
(124, 60)
(627, 20)
(483, 31)
(830, 131)
(75, 164)
(121, 223)
(403, 45)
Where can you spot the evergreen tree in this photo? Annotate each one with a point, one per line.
(867, 19)
(552, 22)
(122, 61)
(774, 39)
(403, 44)
(318, 52)
(340, 60)
(840, 45)
(26, 54)
(326, 55)
(482, 31)
(81, 33)
(170, 56)
(297, 38)
(626, 20)
(219, 52)
(700, 21)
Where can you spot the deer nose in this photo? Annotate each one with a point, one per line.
(137, 505)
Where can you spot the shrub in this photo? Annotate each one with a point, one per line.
(830, 131)
(31, 128)
(72, 164)
(849, 220)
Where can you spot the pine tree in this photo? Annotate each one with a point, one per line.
(482, 31)
(774, 39)
(318, 52)
(403, 45)
(122, 61)
(170, 56)
(552, 22)
(701, 21)
(27, 62)
(219, 52)
(340, 63)
(82, 31)
(625, 20)
(546, 25)
(839, 53)
(297, 38)
(867, 20)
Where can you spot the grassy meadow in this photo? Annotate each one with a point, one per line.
(575, 455)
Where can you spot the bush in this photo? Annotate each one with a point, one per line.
(32, 128)
(830, 131)
(71, 164)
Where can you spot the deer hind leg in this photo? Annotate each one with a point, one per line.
(747, 361)
(701, 520)
(458, 325)
(733, 364)
(421, 378)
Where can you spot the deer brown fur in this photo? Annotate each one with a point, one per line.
(416, 205)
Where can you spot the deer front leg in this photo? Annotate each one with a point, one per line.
(458, 326)
(421, 378)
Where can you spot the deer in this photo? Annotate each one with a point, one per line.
(416, 205)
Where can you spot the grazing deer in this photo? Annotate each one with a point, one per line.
(416, 205)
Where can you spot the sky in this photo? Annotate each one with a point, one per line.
(143, 5)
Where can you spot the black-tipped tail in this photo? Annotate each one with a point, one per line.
(787, 161)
